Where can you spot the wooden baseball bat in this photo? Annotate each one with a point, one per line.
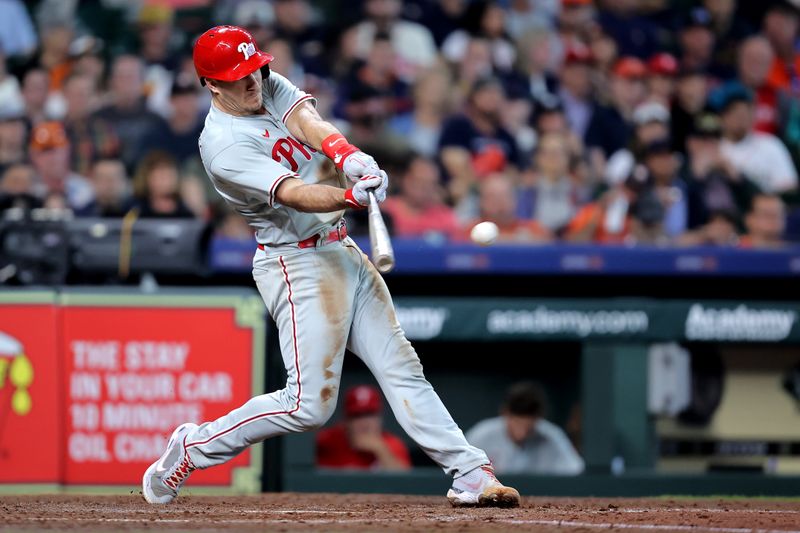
(382, 252)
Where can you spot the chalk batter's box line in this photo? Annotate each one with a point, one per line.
(431, 520)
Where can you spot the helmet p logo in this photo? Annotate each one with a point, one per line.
(248, 49)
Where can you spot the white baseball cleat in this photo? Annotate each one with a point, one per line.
(480, 488)
(163, 479)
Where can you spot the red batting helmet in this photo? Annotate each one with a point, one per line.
(227, 53)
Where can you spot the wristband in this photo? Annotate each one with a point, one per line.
(336, 147)
(350, 200)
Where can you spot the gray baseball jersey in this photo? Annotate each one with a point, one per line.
(323, 299)
(247, 157)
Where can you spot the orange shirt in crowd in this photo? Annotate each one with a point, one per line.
(594, 213)
(412, 223)
(334, 450)
(779, 76)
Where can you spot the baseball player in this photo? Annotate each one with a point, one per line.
(266, 150)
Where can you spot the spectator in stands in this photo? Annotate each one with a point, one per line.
(525, 15)
(359, 441)
(231, 225)
(575, 92)
(56, 34)
(419, 210)
(126, 114)
(13, 135)
(294, 23)
(156, 38)
(16, 187)
(765, 222)
(575, 19)
(156, 188)
(441, 18)
(522, 441)
(697, 43)
(35, 90)
(551, 119)
(17, 34)
(369, 101)
(553, 200)
(90, 138)
(56, 200)
(661, 71)
(714, 184)
(781, 24)
(651, 122)
(258, 18)
(423, 127)
(498, 204)
(609, 219)
(194, 195)
(690, 99)
(413, 44)
(760, 156)
(719, 230)
(184, 123)
(484, 19)
(604, 51)
(49, 151)
(754, 62)
(475, 144)
(372, 90)
(610, 126)
(535, 79)
(476, 65)
(662, 174)
(87, 59)
(285, 64)
(729, 29)
(10, 92)
(635, 35)
(110, 184)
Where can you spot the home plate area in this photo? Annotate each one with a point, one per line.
(370, 512)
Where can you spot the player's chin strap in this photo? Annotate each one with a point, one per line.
(336, 147)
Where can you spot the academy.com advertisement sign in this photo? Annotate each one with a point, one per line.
(635, 319)
(116, 379)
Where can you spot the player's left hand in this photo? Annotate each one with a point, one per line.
(358, 165)
(376, 184)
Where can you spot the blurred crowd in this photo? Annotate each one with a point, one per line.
(610, 121)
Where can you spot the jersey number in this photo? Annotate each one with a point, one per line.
(284, 149)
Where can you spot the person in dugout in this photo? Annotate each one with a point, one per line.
(359, 441)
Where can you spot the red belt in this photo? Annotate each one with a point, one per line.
(335, 234)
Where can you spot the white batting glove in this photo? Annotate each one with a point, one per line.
(359, 165)
(359, 194)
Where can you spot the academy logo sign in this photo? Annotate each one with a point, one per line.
(546, 321)
(742, 323)
(422, 323)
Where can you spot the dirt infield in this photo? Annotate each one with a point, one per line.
(363, 512)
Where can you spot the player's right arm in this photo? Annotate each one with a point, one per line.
(316, 198)
(258, 178)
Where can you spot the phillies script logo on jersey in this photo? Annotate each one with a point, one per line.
(248, 49)
(284, 149)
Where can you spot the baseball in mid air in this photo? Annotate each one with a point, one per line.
(484, 233)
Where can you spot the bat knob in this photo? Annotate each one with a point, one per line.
(384, 264)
